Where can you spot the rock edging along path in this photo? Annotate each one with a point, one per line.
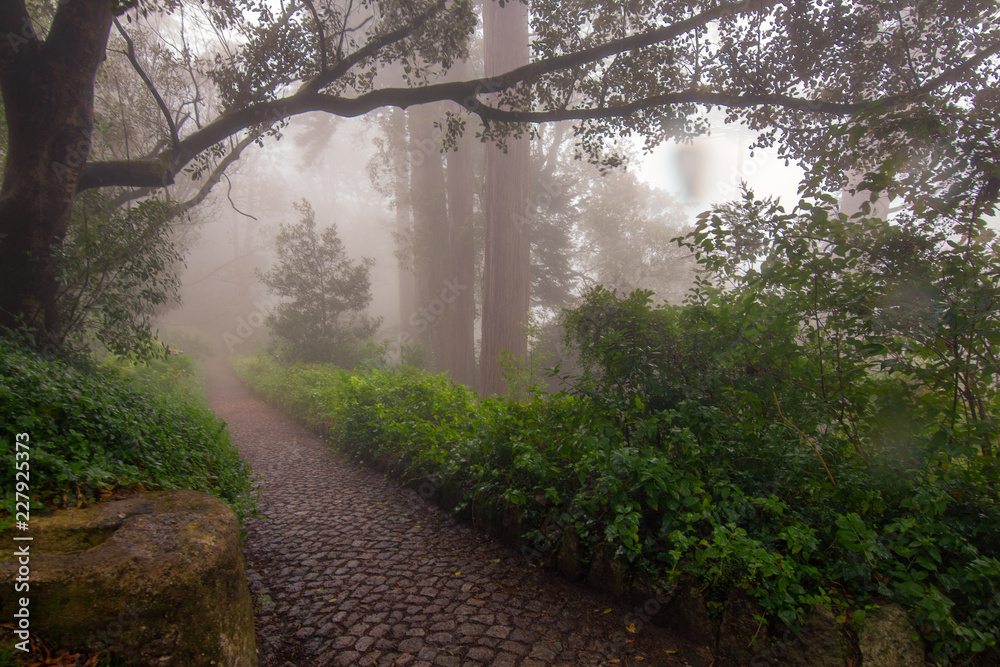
(347, 569)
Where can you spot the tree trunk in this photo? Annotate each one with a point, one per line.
(508, 247)
(48, 93)
(430, 224)
(460, 344)
(401, 187)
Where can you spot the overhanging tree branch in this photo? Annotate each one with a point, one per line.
(694, 96)
(219, 171)
(213, 178)
(955, 73)
(161, 171)
(613, 47)
(153, 173)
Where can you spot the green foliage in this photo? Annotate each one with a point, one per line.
(413, 355)
(816, 424)
(113, 424)
(520, 375)
(682, 491)
(119, 268)
(326, 292)
(894, 324)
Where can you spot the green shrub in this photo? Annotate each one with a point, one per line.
(816, 425)
(113, 424)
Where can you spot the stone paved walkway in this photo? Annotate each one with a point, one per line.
(347, 569)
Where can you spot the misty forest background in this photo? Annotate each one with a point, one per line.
(428, 230)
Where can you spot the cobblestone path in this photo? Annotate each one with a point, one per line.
(347, 569)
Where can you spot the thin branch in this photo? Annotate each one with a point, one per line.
(160, 144)
(906, 46)
(189, 60)
(368, 19)
(343, 30)
(149, 83)
(121, 110)
(321, 30)
(953, 74)
(229, 196)
(219, 171)
(807, 439)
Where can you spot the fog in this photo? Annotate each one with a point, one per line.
(385, 183)
(318, 158)
(328, 161)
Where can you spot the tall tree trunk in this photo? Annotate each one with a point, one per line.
(48, 94)
(460, 344)
(430, 224)
(508, 246)
(401, 188)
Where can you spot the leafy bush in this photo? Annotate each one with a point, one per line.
(817, 424)
(870, 343)
(684, 491)
(119, 269)
(111, 425)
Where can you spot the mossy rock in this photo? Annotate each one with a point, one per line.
(741, 634)
(157, 578)
(820, 642)
(607, 571)
(884, 639)
(688, 614)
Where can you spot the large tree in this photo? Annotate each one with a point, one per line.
(431, 245)
(911, 71)
(507, 269)
(460, 339)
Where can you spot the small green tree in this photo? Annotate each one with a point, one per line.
(325, 292)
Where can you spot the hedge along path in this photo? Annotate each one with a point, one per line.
(347, 569)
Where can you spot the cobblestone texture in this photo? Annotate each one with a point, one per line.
(347, 569)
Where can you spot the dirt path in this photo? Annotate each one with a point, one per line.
(346, 569)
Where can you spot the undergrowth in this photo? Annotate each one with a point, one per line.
(817, 424)
(98, 428)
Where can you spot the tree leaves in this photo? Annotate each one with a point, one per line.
(326, 293)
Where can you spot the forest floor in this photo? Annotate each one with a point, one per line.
(346, 568)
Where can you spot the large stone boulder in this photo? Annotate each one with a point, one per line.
(157, 578)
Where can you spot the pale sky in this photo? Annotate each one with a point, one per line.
(709, 171)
